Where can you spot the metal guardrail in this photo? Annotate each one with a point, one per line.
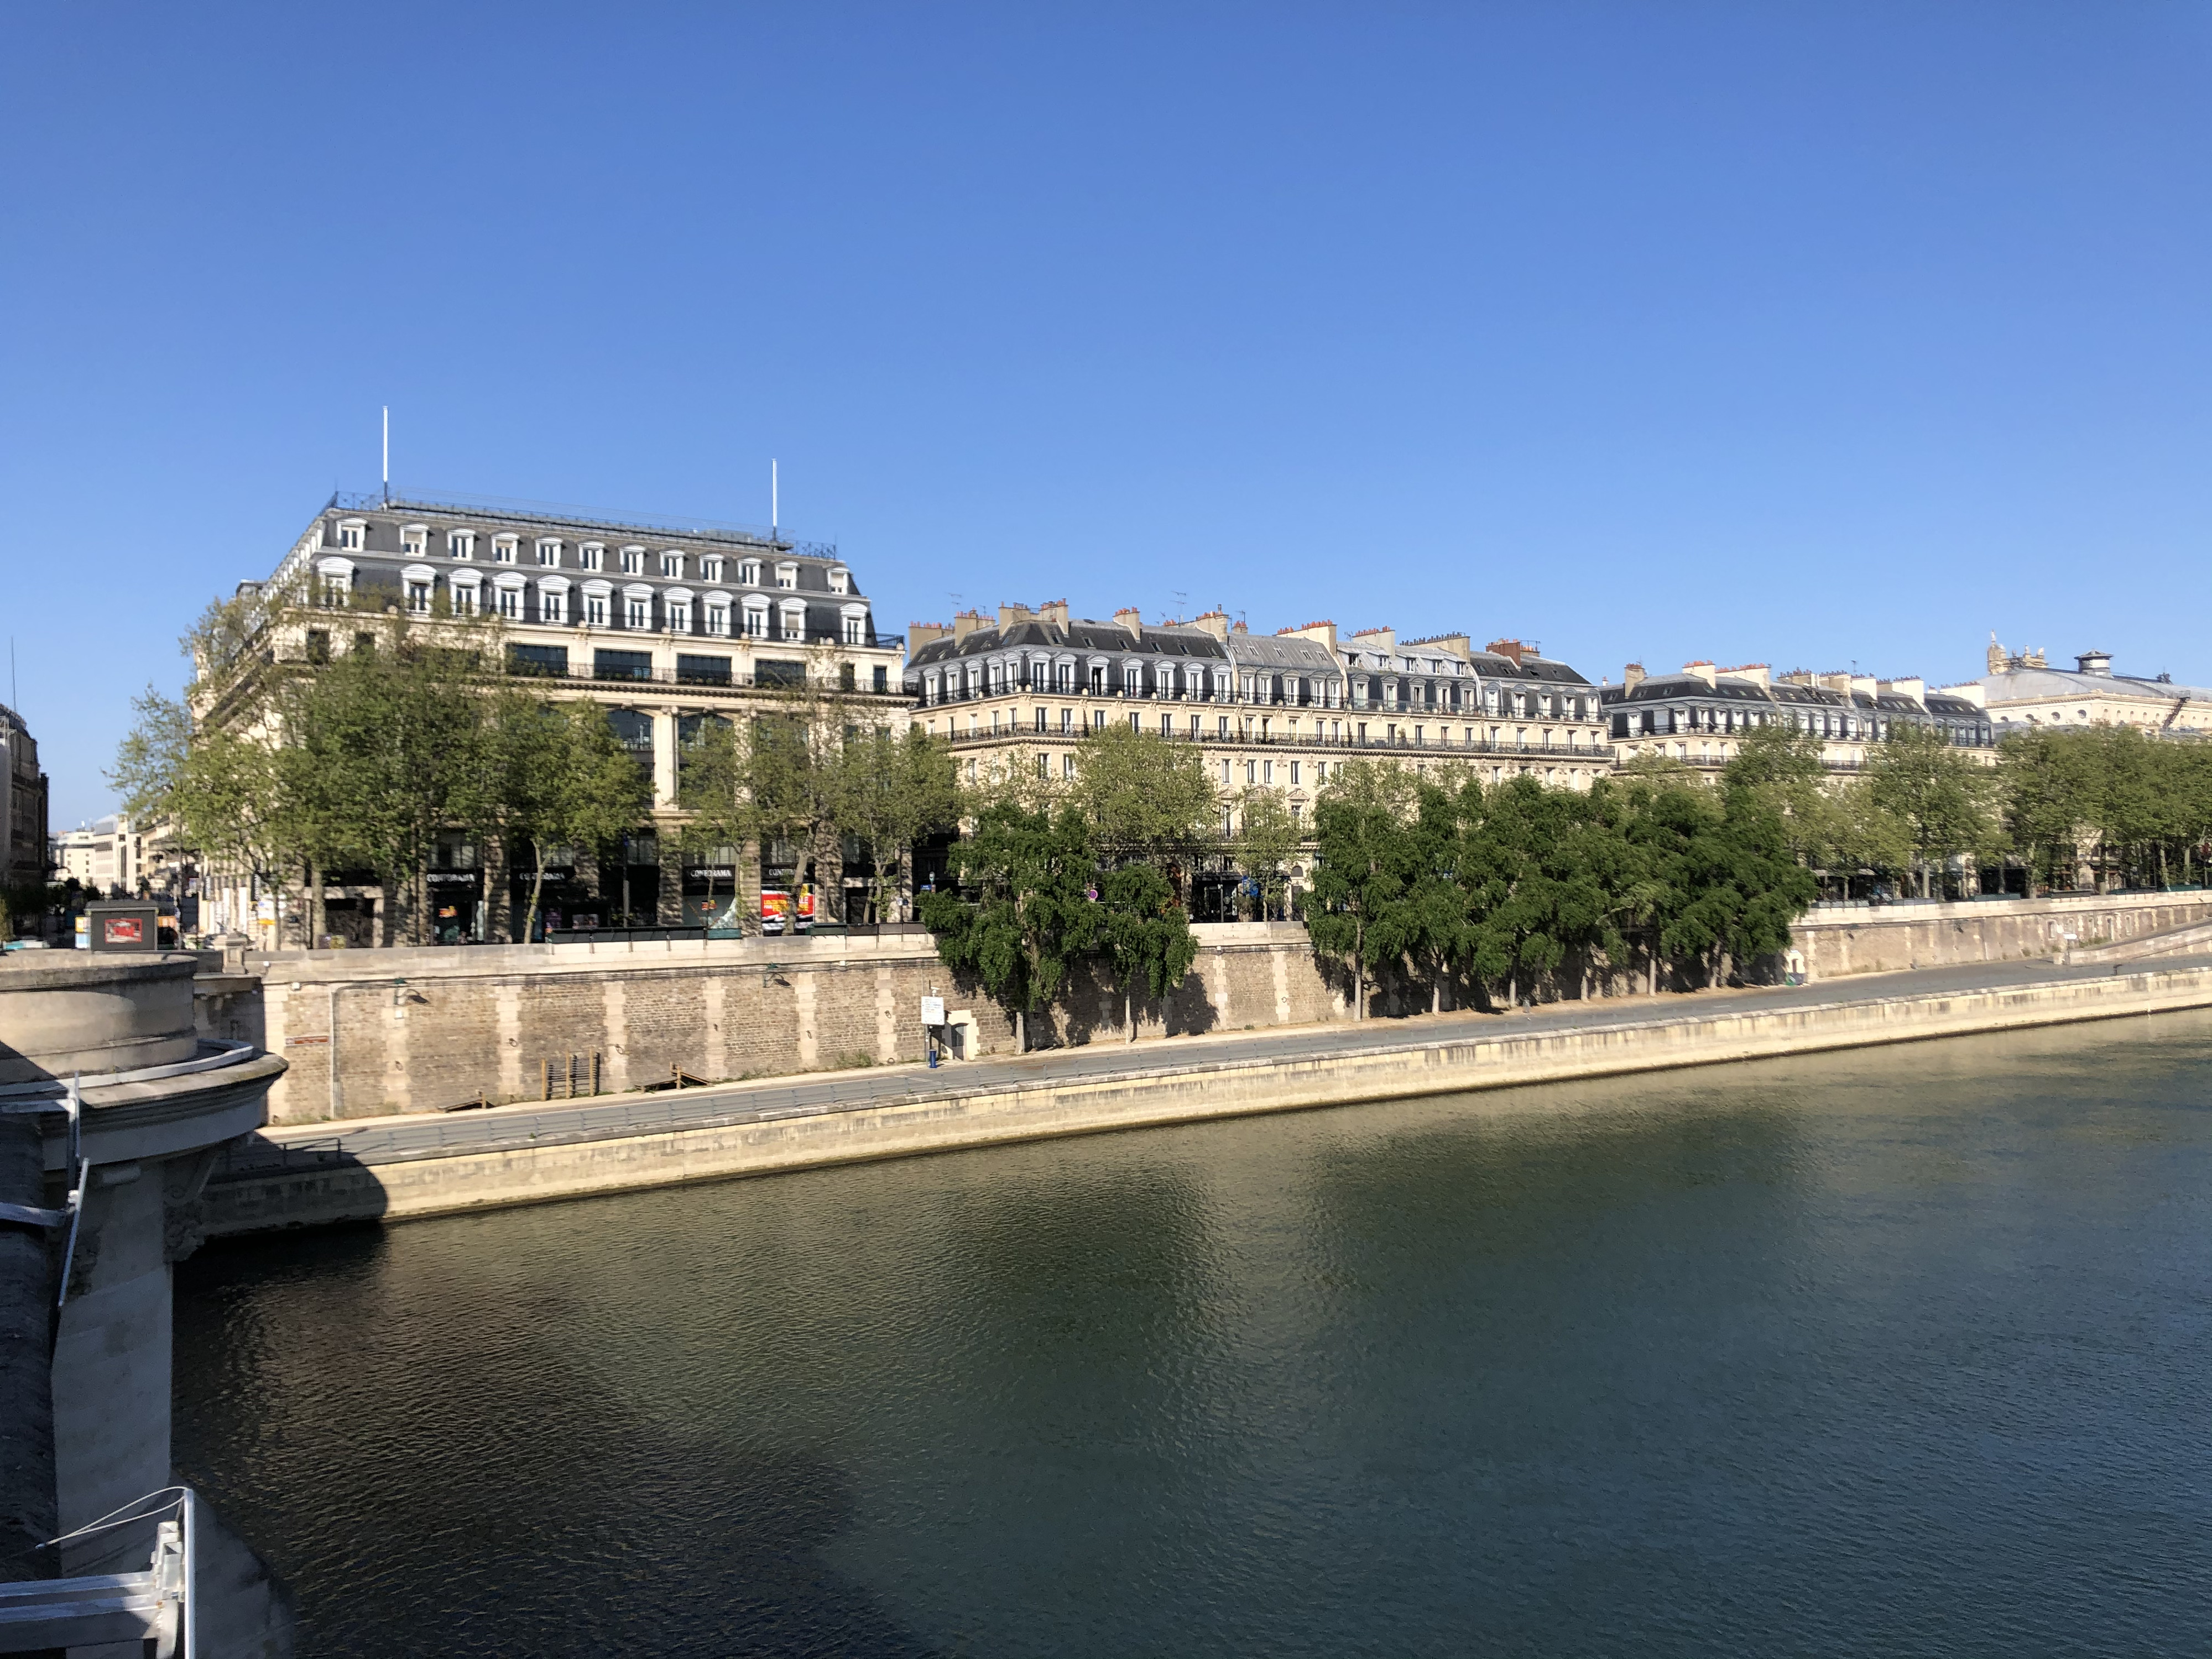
(160, 1604)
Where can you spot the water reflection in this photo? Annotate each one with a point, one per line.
(1901, 1351)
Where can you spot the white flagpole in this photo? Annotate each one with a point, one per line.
(771, 499)
(387, 452)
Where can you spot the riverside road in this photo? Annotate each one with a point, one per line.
(394, 1139)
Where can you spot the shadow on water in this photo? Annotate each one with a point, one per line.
(469, 1490)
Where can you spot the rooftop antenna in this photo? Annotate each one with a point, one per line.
(387, 454)
(772, 515)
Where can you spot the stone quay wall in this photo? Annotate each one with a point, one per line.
(1208, 1087)
(372, 1033)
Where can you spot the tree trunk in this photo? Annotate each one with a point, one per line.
(318, 911)
(537, 888)
(419, 894)
(1129, 1013)
(1436, 994)
(1021, 1032)
(1654, 969)
(494, 889)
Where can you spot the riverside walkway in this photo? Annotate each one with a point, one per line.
(371, 1142)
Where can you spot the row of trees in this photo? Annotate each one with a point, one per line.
(293, 770)
(2129, 808)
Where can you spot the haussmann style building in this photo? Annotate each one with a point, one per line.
(1700, 716)
(664, 625)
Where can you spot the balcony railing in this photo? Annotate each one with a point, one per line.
(1602, 753)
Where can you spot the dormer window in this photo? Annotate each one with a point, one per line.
(755, 615)
(503, 551)
(351, 534)
(549, 552)
(793, 619)
(461, 544)
(633, 562)
(840, 580)
(710, 566)
(414, 540)
(416, 582)
(749, 573)
(671, 563)
(592, 555)
(787, 575)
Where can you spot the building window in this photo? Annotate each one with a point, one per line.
(882, 680)
(637, 613)
(465, 601)
(757, 621)
(786, 576)
(1067, 721)
(461, 544)
(710, 566)
(1068, 766)
(595, 609)
(592, 555)
(678, 612)
(1136, 722)
(418, 596)
(749, 573)
(552, 604)
(350, 534)
(503, 550)
(795, 622)
(1224, 775)
(1167, 726)
(718, 618)
(510, 603)
(671, 564)
(855, 630)
(414, 540)
(840, 580)
(848, 680)
(548, 553)
(633, 562)
(1294, 774)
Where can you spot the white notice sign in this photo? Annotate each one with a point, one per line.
(932, 1011)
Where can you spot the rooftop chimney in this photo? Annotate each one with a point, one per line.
(1325, 632)
(920, 633)
(1053, 610)
(1215, 623)
(1704, 671)
(1912, 686)
(1130, 618)
(2095, 662)
(965, 623)
(1511, 650)
(1633, 676)
(1753, 672)
(1972, 692)
(1010, 614)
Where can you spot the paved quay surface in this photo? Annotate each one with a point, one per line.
(428, 1135)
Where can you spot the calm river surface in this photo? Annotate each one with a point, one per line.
(1904, 1351)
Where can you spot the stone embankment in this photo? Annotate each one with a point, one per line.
(372, 1033)
(402, 1167)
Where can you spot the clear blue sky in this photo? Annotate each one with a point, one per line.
(1808, 334)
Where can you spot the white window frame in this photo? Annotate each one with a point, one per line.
(333, 582)
(549, 552)
(506, 595)
(460, 544)
(671, 562)
(503, 549)
(594, 611)
(465, 588)
(710, 566)
(633, 560)
(840, 580)
(418, 583)
(756, 618)
(676, 609)
(749, 574)
(414, 540)
(786, 576)
(552, 600)
(353, 534)
(592, 555)
(784, 613)
(637, 607)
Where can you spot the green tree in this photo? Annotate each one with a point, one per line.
(1025, 910)
(1146, 935)
(1267, 837)
(1147, 796)
(892, 790)
(1360, 834)
(574, 786)
(710, 786)
(1934, 790)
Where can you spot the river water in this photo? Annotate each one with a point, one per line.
(1902, 1352)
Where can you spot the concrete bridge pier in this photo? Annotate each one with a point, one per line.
(154, 1104)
